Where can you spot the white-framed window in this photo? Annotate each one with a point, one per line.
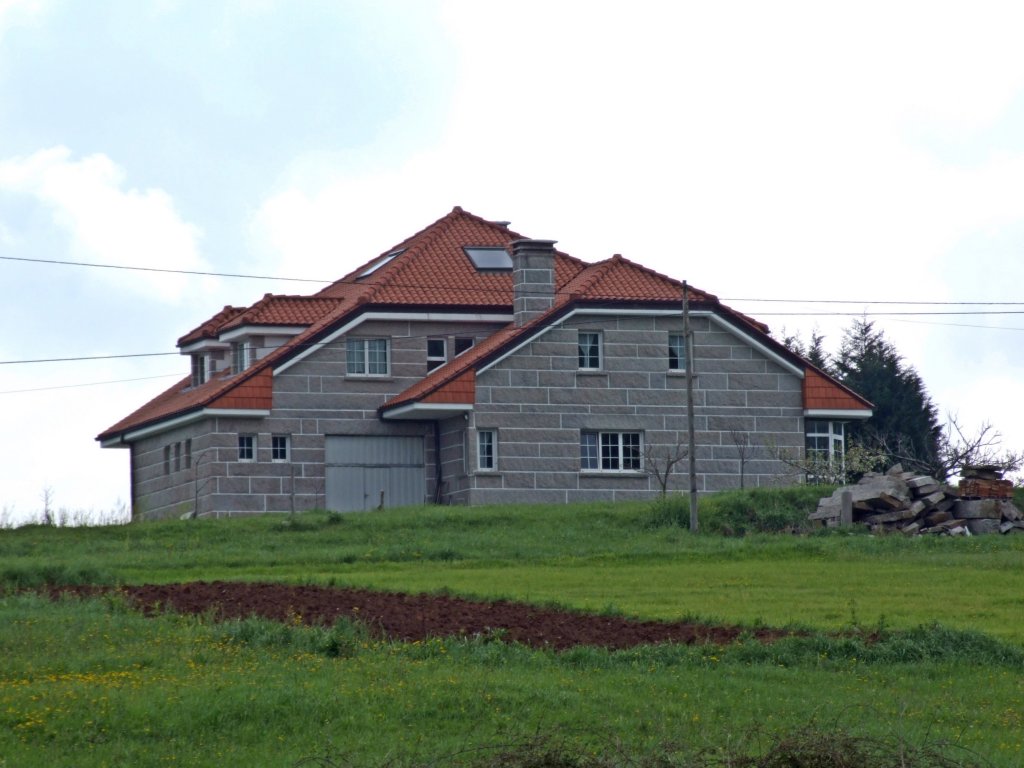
(280, 447)
(198, 369)
(676, 352)
(241, 355)
(486, 450)
(366, 357)
(611, 451)
(436, 353)
(462, 344)
(826, 442)
(590, 350)
(247, 447)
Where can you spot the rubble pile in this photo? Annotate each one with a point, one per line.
(919, 504)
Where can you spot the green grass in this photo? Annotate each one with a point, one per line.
(597, 558)
(92, 683)
(95, 684)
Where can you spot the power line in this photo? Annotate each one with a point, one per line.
(900, 303)
(88, 357)
(963, 325)
(871, 302)
(888, 314)
(158, 269)
(84, 358)
(88, 384)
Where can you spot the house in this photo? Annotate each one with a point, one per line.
(471, 365)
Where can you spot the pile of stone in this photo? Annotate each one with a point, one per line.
(919, 504)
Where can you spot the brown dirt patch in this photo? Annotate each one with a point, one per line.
(416, 617)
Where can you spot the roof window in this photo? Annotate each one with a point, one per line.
(381, 263)
(489, 259)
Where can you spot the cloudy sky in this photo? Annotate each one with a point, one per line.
(859, 152)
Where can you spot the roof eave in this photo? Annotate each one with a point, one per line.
(417, 411)
(838, 413)
(128, 436)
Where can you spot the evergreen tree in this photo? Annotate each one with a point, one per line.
(814, 351)
(905, 422)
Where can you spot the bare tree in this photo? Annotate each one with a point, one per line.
(198, 484)
(818, 468)
(661, 460)
(956, 448)
(47, 498)
(744, 446)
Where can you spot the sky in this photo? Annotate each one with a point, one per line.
(770, 153)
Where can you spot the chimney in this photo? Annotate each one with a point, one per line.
(533, 278)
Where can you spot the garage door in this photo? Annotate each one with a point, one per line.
(365, 471)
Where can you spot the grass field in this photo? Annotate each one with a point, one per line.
(92, 683)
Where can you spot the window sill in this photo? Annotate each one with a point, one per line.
(612, 473)
(591, 372)
(486, 473)
(369, 377)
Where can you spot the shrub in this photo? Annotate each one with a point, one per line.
(737, 513)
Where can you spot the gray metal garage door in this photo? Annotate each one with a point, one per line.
(360, 468)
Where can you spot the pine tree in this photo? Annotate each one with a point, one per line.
(905, 422)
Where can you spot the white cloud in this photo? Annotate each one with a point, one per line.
(107, 222)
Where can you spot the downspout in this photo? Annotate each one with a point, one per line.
(133, 503)
(438, 472)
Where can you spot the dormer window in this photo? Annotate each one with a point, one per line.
(489, 259)
(199, 375)
(436, 353)
(380, 263)
(241, 355)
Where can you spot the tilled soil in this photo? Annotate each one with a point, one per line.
(417, 617)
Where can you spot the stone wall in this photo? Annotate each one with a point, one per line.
(539, 401)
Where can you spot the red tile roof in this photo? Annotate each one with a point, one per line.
(432, 270)
(211, 328)
(283, 310)
(821, 392)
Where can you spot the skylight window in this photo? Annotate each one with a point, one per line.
(381, 263)
(489, 259)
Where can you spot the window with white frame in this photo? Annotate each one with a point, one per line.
(486, 450)
(247, 447)
(611, 451)
(676, 352)
(279, 447)
(590, 350)
(826, 442)
(366, 357)
(241, 356)
(436, 353)
(198, 369)
(462, 344)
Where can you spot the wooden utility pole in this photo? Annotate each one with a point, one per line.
(688, 344)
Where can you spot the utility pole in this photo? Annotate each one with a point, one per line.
(688, 343)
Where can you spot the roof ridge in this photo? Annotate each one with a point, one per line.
(600, 269)
(392, 272)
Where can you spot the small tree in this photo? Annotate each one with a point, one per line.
(823, 470)
(956, 448)
(199, 484)
(46, 496)
(744, 446)
(661, 460)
